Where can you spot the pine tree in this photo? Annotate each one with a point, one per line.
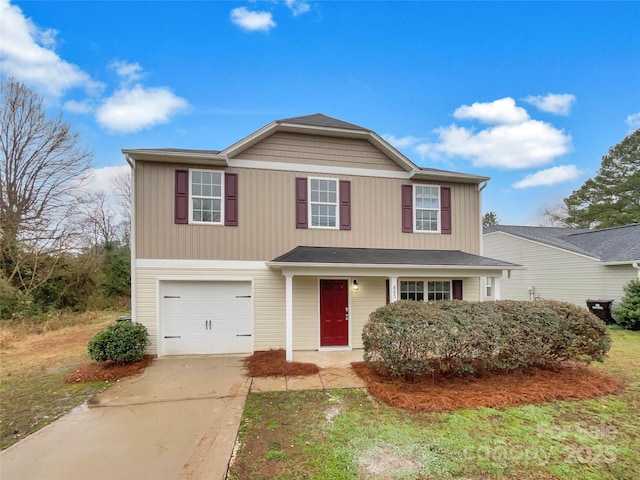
(612, 197)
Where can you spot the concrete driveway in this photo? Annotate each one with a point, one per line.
(178, 420)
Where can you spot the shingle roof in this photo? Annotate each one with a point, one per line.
(320, 120)
(619, 244)
(388, 256)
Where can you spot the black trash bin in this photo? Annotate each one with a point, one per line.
(602, 309)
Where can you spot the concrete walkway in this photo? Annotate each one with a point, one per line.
(178, 420)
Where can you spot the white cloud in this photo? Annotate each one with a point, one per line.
(298, 7)
(82, 106)
(403, 142)
(499, 111)
(556, 103)
(512, 146)
(102, 178)
(136, 108)
(512, 140)
(128, 72)
(549, 176)
(26, 53)
(252, 21)
(634, 120)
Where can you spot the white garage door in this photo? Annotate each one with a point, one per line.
(206, 317)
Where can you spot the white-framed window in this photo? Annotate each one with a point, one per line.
(426, 208)
(489, 286)
(412, 290)
(323, 203)
(439, 290)
(206, 195)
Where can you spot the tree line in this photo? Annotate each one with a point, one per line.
(63, 245)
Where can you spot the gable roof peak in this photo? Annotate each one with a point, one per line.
(321, 120)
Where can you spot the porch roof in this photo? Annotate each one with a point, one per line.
(306, 256)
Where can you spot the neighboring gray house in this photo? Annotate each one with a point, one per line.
(565, 264)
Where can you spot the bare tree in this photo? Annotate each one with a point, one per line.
(122, 184)
(97, 221)
(41, 168)
(555, 216)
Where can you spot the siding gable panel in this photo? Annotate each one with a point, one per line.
(298, 148)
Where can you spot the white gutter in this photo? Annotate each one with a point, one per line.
(394, 266)
(482, 283)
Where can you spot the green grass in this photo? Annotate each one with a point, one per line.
(344, 434)
(30, 402)
(36, 356)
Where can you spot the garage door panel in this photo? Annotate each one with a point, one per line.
(206, 317)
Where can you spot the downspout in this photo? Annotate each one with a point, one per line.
(132, 237)
(481, 283)
(637, 267)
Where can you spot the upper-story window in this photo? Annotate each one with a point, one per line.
(206, 196)
(323, 203)
(427, 208)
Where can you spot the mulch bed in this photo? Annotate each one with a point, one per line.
(108, 371)
(526, 386)
(273, 363)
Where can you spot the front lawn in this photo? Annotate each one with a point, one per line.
(345, 434)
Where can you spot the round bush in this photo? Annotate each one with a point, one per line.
(416, 338)
(122, 342)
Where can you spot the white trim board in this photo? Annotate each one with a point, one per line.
(201, 264)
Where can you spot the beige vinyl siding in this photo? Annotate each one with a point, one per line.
(556, 274)
(371, 295)
(267, 218)
(305, 313)
(287, 147)
(471, 289)
(268, 300)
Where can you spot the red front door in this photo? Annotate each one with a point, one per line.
(334, 313)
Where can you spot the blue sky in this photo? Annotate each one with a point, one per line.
(530, 94)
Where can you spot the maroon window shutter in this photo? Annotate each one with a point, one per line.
(445, 209)
(301, 202)
(457, 289)
(182, 197)
(407, 208)
(231, 199)
(345, 205)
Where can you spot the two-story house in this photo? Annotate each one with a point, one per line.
(292, 236)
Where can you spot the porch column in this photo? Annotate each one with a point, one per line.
(496, 288)
(393, 289)
(288, 281)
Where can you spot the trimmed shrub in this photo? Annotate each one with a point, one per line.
(122, 342)
(627, 315)
(409, 338)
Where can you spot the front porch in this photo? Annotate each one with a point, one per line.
(461, 271)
